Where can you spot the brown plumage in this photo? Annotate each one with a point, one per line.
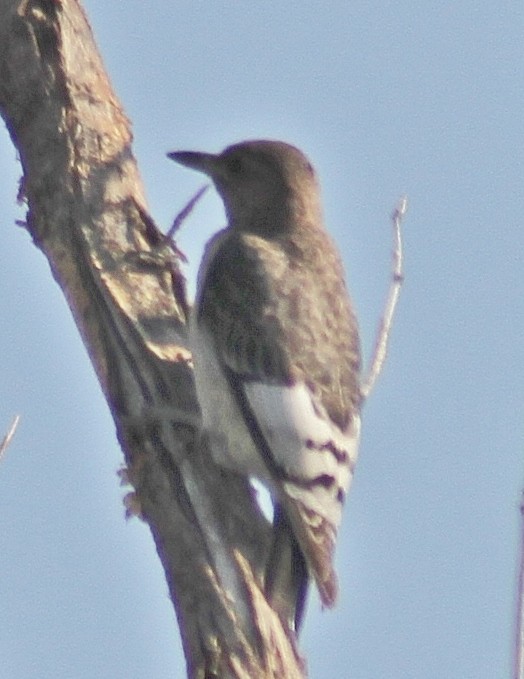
(277, 356)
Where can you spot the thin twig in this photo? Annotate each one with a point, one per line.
(519, 631)
(185, 211)
(397, 278)
(8, 437)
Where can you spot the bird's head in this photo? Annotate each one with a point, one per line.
(267, 186)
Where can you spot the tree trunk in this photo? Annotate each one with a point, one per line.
(87, 213)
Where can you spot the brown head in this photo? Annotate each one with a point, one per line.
(267, 186)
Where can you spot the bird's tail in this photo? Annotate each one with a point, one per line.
(287, 576)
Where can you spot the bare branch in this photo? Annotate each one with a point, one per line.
(397, 278)
(185, 211)
(9, 436)
(519, 627)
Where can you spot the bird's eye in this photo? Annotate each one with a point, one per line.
(234, 165)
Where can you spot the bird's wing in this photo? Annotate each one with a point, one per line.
(289, 348)
(312, 463)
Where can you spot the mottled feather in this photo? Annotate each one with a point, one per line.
(280, 321)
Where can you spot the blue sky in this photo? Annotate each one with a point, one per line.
(386, 98)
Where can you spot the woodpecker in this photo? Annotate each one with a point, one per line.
(277, 357)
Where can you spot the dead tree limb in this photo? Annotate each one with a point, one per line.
(397, 278)
(87, 213)
(4, 443)
(519, 618)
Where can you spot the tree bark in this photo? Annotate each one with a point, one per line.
(87, 213)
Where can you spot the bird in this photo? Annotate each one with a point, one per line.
(277, 360)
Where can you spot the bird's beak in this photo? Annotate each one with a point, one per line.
(203, 162)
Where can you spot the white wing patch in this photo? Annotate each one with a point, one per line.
(315, 457)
